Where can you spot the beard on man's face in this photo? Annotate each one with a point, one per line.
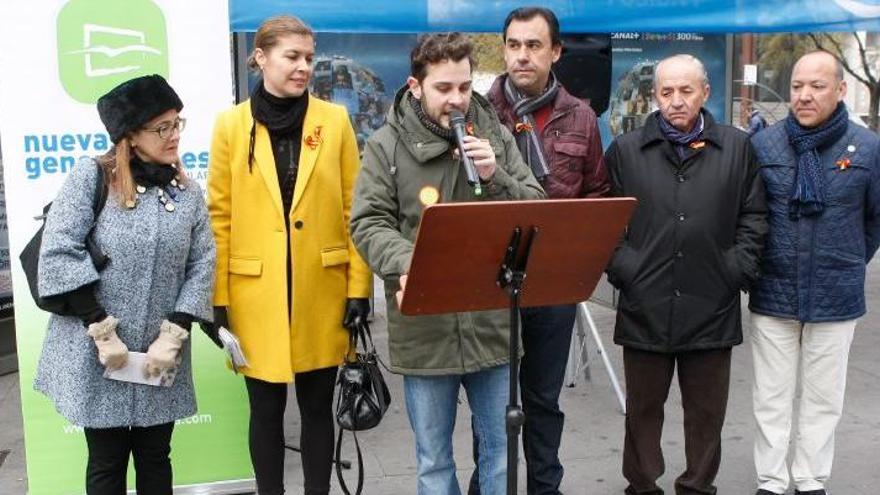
(440, 115)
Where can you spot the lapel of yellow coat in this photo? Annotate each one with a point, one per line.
(312, 140)
(266, 162)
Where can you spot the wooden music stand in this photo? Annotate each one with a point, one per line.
(474, 256)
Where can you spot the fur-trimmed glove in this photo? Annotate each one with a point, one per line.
(162, 353)
(112, 352)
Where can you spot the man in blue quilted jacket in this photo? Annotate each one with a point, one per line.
(822, 175)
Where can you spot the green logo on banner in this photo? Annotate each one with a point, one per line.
(102, 43)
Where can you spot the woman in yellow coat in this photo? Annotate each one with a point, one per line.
(288, 280)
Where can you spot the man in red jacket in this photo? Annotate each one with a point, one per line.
(558, 137)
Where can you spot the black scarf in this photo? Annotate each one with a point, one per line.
(282, 116)
(434, 127)
(528, 139)
(279, 115)
(151, 174)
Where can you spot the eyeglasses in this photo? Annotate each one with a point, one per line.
(165, 131)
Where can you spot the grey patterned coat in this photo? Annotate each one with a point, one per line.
(160, 262)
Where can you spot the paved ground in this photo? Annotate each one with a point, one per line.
(593, 435)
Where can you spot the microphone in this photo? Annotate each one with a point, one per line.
(456, 122)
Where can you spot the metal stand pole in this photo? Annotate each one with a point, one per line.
(514, 417)
(511, 277)
(584, 312)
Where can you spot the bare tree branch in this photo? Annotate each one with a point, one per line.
(838, 53)
(837, 50)
(866, 66)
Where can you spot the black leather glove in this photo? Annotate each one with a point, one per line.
(221, 319)
(356, 311)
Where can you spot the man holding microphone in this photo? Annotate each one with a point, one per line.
(411, 162)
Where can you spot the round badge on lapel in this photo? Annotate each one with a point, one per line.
(429, 195)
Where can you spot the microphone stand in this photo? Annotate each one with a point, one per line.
(511, 277)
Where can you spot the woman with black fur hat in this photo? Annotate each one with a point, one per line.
(283, 166)
(154, 228)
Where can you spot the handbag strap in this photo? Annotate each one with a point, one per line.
(101, 192)
(360, 485)
(99, 258)
(366, 337)
(361, 336)
(99, 198)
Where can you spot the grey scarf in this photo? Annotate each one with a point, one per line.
(527, 139)
(435, 128)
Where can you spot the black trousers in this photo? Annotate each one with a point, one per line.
(546, 338)
(109, 449)
(314, 395)
(704, 380)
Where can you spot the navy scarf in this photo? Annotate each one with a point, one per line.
(808, 193)
(681, 140)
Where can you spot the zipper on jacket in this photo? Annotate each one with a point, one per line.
(552, 119)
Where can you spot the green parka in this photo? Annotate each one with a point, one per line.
(400, 159)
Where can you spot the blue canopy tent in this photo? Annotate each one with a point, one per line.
(586, 16)
(685, 21)
(691, 18)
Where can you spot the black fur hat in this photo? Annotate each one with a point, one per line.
(135, 102)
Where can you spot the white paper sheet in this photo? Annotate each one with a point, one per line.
(232, 347)
(133, 372)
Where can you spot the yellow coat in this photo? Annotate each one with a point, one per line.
(248, 223)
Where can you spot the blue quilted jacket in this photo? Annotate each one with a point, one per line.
(813, 268)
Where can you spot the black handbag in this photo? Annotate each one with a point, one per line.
(361, 398)
(30, 255)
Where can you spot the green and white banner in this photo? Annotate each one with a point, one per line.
(56, 58)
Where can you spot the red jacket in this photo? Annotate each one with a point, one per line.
(571, 145)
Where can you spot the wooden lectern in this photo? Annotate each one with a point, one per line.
(474, 257)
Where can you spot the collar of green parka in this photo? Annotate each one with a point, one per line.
(424, 145)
